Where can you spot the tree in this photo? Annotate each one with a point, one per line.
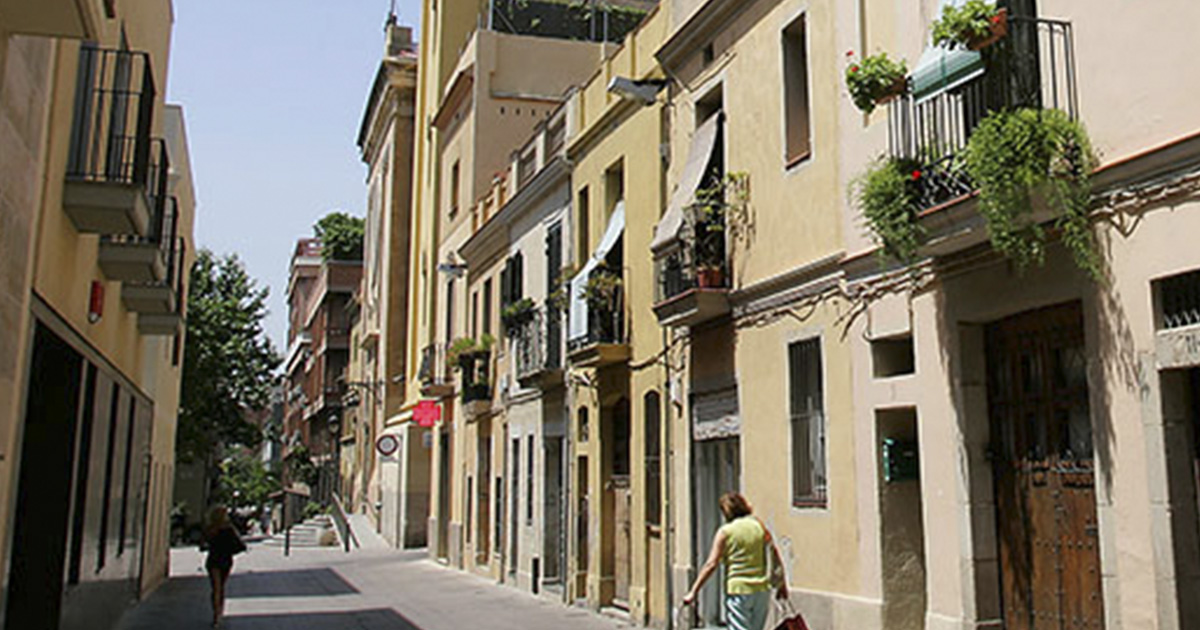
(245, 481)
(341, 236)
(228, 365)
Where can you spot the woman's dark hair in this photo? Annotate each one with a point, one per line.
(734, 505)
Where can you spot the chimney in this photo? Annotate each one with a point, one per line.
(399, 39)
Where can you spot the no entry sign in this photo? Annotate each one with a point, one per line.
(387, 445)
(427, 413)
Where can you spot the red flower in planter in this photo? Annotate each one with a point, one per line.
(849, 53)
(916, 175)
(996, 19)
(853, 68)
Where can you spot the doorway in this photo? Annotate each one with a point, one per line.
(552, 510)
(621, 495)
(1044, 471)
(443, 507)
(716, 469)
(39, 542)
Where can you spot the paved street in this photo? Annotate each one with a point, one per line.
(369, 589)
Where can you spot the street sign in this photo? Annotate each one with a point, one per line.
(427, 413)
(387, 445)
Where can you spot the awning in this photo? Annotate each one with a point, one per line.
(941, 68)
(577, 323)
(699, 157)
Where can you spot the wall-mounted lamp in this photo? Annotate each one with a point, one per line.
(644, 90)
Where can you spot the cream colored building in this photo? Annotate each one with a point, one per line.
(393, 489)
(98, 212)
(488, 106)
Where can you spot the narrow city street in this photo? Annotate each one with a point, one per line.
(367, 589)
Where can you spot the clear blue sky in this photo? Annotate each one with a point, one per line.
(273, 93)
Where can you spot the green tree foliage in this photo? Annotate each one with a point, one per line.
(228, 362)
(300, 466)
(341, 236)
(245, 481)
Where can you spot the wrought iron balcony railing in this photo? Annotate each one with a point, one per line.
(605, 323)
(114, 111)
(698, 261)
(538, 343)
(1033, 66)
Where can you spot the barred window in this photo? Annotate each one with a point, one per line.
(653, 444)
(807, 404)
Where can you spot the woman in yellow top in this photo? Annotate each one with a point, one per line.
(742, 544)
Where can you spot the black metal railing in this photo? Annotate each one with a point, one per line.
(698, 261)
(476, 370)
(605, 323)
(529, 342)
(1033, 66)
(114, 112)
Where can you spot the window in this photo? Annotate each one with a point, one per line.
(582, 250)
(449, 312)
(487, 307)
(123, 527)
(113, 420)
(614, 186)
(653, 415)
(454, 186)
(795, 92)
(583, 424)
(475, 315)
(529, 480)
(808, 423)
(470, 497)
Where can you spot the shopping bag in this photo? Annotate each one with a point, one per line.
(789, 617)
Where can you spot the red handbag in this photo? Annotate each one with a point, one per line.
(789, 617)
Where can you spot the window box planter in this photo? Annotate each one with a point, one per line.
(998, 30)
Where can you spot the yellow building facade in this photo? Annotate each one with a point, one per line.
(94, 299)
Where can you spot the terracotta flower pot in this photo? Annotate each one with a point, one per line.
(897, 88)
(711, 278)
(999, 29)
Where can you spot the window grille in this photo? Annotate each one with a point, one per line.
(1180, 296)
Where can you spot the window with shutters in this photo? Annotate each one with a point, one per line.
(487, 307)
(807, 403)
(653, 415)
(795, 92)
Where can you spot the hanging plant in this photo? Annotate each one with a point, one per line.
(516, 314)
(602, 289)
(875, 80)
(887, 193)
(974, 25)
(1026, 156)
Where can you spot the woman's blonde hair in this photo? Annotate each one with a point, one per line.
(734, 505)
(218, 517)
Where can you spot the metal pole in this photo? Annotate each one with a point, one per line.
(287, 518)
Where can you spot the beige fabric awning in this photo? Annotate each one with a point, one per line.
(703, 143)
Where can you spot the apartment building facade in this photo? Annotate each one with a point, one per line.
(320, 289)
(951, 441)
(397, 496)
(98, 208)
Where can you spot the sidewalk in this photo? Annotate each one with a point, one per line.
(368, 589)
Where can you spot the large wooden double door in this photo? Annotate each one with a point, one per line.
(1044, 476)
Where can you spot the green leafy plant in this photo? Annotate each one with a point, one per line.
(968, 24)
(887, 194)
(602, 288)
(1027, 157)
(341, 236)
(874, 80)
(458, 348)
(516, 314)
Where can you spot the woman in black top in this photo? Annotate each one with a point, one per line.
(222, 541)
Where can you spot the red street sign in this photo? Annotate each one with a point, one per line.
(427, 413)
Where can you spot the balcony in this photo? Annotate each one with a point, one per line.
(160, 304)
(693, 276)
(1034, 67)
(605, 340)
(434, 376)
(537, 344)
(132, 258)
(71, 19)
(114, 169)
(476, 383)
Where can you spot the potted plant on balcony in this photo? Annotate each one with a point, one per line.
(516, 315)
(887, 194)
(1029, 159)
(875, 80)
(975, 25)
(461, 353)
(602, 289)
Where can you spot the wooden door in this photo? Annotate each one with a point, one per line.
(1045, 482)
(622, 546)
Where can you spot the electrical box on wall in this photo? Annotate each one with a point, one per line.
(900, 460)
